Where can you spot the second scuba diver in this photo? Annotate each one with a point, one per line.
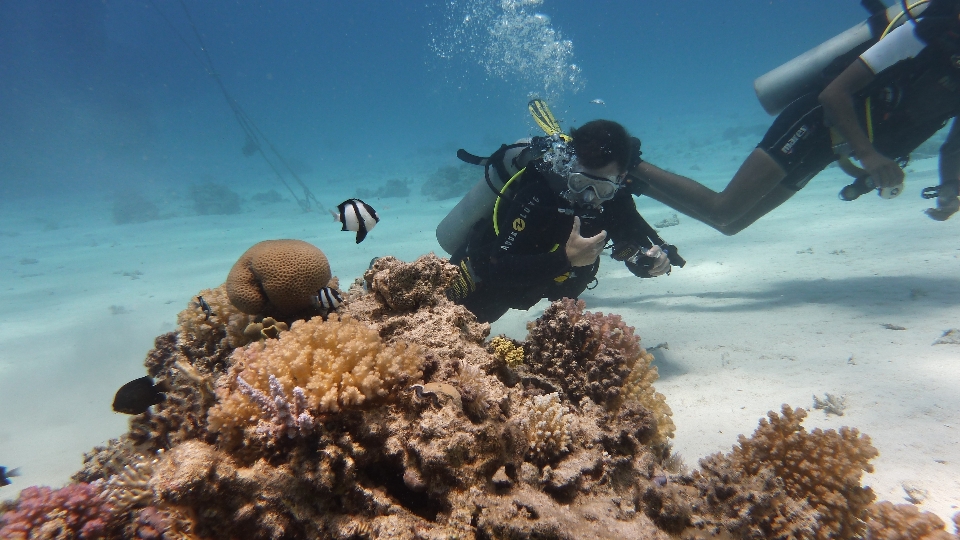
(562, 199)
(890, 99)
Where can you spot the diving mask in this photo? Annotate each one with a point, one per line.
(604, 187)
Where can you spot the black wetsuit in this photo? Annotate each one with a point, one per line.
(909, 102)
(527, 261)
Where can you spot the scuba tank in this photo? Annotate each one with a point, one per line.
(478, 203)
(815, 68)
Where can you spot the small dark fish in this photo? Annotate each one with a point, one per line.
(205, 307)
(138, 395)
(356, 216)
(6, 475)
(328, 299)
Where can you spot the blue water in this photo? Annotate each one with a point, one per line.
(106, 95)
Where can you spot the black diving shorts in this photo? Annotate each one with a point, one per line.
(799, 141)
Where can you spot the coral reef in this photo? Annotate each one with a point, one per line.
(278, 278)
(391, 188)
(451, 181)
(133, 207)
(211, 198)
(73, 511)
(394, 418)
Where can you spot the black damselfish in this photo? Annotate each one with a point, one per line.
(137, 396)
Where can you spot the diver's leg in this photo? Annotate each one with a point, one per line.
(775, 198)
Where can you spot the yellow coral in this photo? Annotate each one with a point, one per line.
(339, 363)
(506, 350)
(639, 387)
(195, 325)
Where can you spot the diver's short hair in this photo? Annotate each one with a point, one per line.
(600, 142)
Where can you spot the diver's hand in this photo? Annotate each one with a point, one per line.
(661, 263)
(884, 172)
(946, 207)
(584, 251)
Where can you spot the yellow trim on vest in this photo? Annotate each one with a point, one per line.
(496, 205)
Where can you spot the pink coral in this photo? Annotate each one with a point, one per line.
(74, 511)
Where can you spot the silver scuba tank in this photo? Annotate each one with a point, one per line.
(477, 204)
(781, 86)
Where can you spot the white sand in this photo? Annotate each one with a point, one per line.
(792, 307)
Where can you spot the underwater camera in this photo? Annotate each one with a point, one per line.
(865, 184)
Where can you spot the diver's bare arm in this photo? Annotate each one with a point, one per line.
(758, 176)
(839, 110)
(679, 192)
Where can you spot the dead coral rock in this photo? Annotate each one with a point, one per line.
(188, 373)
(222, 328)
(408, 286)
(278, 278)
(448, 331)
(530, 514)
(668, 507)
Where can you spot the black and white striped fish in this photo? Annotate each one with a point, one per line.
(356, 216)
(327, 299)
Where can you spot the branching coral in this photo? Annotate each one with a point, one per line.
(547, 425)
(74, 511)
(888, 521)
(282, 415)
(822, 467)
(338, 363)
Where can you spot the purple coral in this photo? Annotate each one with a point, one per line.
(588, 354)
(74, 511)
(283, 415)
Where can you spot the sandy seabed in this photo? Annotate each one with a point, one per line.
(819, 297)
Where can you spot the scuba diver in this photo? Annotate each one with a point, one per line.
(876, 102)
(562, 198)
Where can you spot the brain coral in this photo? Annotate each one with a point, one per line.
(338, 363)
(277, 277)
